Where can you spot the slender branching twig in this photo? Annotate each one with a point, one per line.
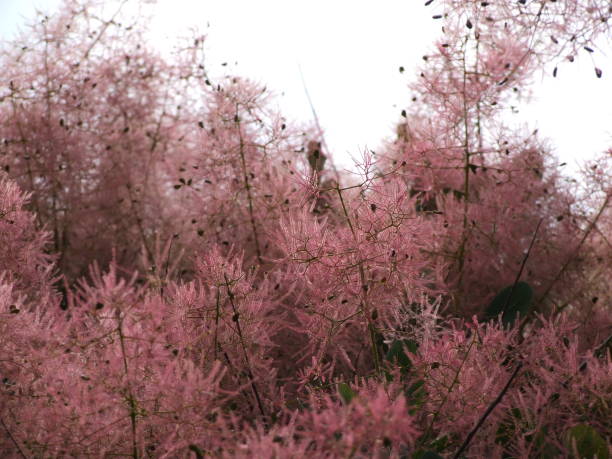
(21, 453)
(131, 399)
(247, 187)
(486, 414)
(364, 289)
(236, 318)
(573, 256)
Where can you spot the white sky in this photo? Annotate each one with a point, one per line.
(350, 53)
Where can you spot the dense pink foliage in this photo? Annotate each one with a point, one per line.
(184, 273)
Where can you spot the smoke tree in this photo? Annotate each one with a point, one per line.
(183, 272)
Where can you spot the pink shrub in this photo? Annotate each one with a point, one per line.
(184, 273)
(24, 263)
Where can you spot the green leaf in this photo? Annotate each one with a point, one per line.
(346, 393)
(411, 345)
(417, 388)
(547, 450)
(511, 302)
(507, 428)
(587, 442)
(544, 449)
(426, 455)
(416, 396)
(440, 443)
(198, 452)
(380, 342)
(397, 355)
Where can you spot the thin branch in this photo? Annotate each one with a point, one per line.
(217, 314)
(466, 173)
(520, 272)
(584, 237)
(236, 318)
(316, 119)
(486, 414)
(450, 389)
(247, 187)
(21, 453)
(364, 289)
(103, 30)
(131, 399)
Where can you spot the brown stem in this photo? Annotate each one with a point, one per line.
(21, 453)
(486, 414)
(217, 313)
(131, 400)
(139, 223)
(450, 389)
(236, 318)
(364, 289)
(520, 272)
(466, 174)
(103, 30)
(247, 187)
(584, 237)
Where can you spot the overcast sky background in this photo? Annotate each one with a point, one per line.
(349, 53)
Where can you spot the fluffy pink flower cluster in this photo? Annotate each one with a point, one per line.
(182, 274)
